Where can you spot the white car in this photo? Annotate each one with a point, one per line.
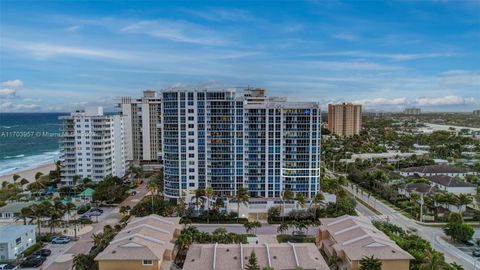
(8, 267)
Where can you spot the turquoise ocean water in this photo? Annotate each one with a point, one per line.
(28, 140)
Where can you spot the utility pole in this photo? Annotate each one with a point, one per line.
(421, 207)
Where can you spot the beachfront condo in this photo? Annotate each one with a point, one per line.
(216, 138)
(92, 145)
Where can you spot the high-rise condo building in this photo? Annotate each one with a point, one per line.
(91, 145)
(143, 133)
(214, 138)
(476, 112)
(412, 111)
(344, 119)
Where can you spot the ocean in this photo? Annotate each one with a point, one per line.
(28, 140)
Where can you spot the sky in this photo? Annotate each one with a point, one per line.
(56, 56)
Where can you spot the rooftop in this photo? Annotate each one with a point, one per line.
(357, 238)
(235, 256)
(421, 188)
(15, 207)
(449, 181)
(437, 169)
(145, 238)
(13, 231)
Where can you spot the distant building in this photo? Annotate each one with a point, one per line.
(143, 132)
(452, 185)
(432, 170)
(390, 156)
(476, 112)
(235, 256)
(9, 212)
(146, 243)
(353, 238)
(412, 111)
(92, 145)
(345, 119)
(14, 239)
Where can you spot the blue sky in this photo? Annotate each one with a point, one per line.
(58, 55)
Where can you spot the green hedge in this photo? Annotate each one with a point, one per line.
(283, 238)
(32, 249)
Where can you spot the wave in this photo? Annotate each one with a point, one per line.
(9, 157)
(22, 162)
(9, 126)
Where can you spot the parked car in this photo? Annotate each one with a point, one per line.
(96, 209)
(8, 266)
(298, 233)
(94, 213)
(84, 217)
(43, 252)
(476, 252)
(61, 240)
(470, 243)
(33, 261)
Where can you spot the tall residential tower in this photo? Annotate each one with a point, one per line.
(344, 119)
(91, 145)
(214, 138)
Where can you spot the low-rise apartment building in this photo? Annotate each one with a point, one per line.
(15, 239)
(146, 243)
(235, 256)
(354, 238)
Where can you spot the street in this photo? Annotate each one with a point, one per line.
(433, 234)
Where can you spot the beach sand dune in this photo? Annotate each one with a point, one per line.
(29, 174)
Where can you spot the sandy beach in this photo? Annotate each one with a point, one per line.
(29, 174)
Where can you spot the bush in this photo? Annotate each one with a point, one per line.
(283, 238)
(45, 238)
(32, 249)
(82, 209)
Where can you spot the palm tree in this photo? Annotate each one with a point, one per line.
(124, 210)
(241, 197)
(333, 261)
(301, 200)
(318, 199)
(455, 266)
(152, 187)
(433, 261)
(15, 178)
(370, 263)
(38, 175)
(75, 179)
(287, 195)
(283, 227)
(209, 195)
(199, 197)
(248, 226)
(38, 211)
(69, 207)
(25, 213)
(464, 199)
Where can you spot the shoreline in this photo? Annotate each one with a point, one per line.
(29, 174)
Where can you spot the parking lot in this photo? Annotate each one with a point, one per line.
(468, 249)
(57, 250)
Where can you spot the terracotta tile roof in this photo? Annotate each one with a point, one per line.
(145, 238)
(356, 237)
(235, 256)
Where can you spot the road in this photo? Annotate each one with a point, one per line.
(84, 242)
(433, 234)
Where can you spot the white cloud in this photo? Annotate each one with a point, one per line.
(446, 100)
(46, 50)
(13, 84)
(345, 36)
(391, 56)
(382, 101)
(423, 101)
(73, 28)
(7, 92)
(223, 15)
(177, 31)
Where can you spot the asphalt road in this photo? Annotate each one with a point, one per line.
(434, 235)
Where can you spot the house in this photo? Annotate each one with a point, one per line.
(14, 239)
(235, 256)
(9, 212)
(420, 188)
(146, 243)
(354, 238)
(431, 170)
(390, 156)
(452, 185)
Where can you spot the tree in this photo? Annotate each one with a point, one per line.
(38, 175)
(459, 232)
(152, 187)
(25, 213)
(199, 197)
(241, 198)
(301, 200)
(24, 181)
(15, 178)
(370, 263)
(318, 199)
(464, 200)
(83, 261)
(433, 261)
(209, 195)
(287, 195)
(252, 262)
(283, 227)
